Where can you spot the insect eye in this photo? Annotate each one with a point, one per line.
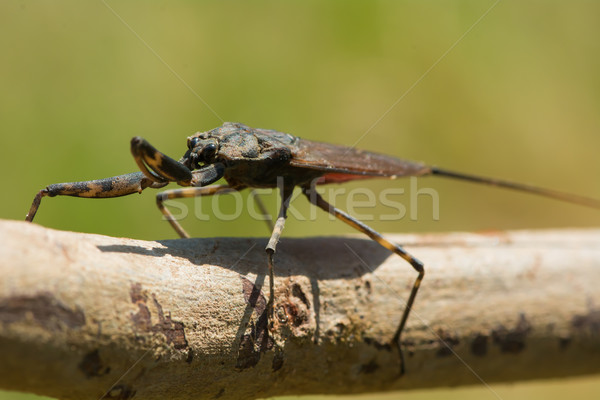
(192, 142)
(209, 151)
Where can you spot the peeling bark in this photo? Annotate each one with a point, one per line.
(82, 316)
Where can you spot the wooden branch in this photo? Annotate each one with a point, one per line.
(82, 316)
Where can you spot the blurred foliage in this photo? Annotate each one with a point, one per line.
(517, 97)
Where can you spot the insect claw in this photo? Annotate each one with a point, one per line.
(36, 204)
(157, 166)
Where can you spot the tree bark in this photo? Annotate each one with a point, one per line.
(84, 316)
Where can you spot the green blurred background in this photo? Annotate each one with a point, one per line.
(518, 97)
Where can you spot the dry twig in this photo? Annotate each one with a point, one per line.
(82, 316)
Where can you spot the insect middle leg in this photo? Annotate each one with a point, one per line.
(286, 195)
(317, 200)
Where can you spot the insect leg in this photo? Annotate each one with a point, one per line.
(187, 192)
(199, 180)
(162, 167)
(317, 200)
(115, 186)
(263, 210)
(286, 195)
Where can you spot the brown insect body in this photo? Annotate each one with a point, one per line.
(258, 157)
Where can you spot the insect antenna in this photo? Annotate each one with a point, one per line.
(554, 194)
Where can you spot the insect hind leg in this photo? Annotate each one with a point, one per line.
(317, 200)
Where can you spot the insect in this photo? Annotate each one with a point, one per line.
(261, 158)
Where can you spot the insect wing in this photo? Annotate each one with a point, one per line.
(342, 164)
